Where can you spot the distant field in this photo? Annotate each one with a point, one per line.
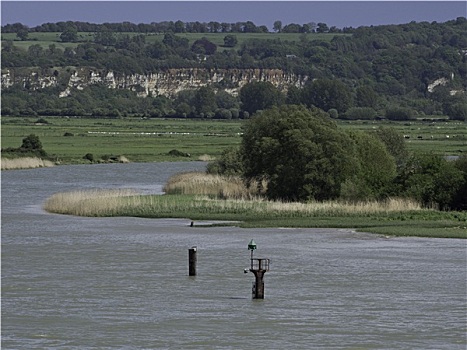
(438, 137)
(139, 140)
(150, 140)
(45, 39)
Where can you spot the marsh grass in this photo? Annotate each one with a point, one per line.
(128, 203)
(197, 196)
(199, 183)
(88, 203)
(25, 163)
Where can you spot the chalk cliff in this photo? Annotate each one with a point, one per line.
(166, 82)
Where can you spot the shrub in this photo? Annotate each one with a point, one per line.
(32, 144)
(41, 121)
(400, 113)
(361, 113)
(89, 156)
(177, 153)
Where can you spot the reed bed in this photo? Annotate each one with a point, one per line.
(95, 202)
(263, 207)
(128, 203)
(199, 183)
(394, 216)
(25, 163)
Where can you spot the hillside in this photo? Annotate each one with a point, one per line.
(397, 71)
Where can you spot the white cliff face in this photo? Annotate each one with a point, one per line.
(167, 83)
(437, 82)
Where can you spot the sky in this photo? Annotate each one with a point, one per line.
(334, 13)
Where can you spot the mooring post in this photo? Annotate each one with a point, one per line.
(259, 267)
(192, 259)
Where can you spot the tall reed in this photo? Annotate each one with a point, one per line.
(89, 203)
(199, 183)
(127, 203)
(25, 163)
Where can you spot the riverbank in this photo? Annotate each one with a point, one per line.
(25, 163)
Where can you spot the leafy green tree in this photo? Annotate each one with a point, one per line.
(229, 163)
(366, 97)
(432, 180)
(459, 200)
(301, 152)
(292, 28)
(204, 46)
(259, 95)
(277, 26)
(179, 27)
(230, 40)
(395, 144)
(399, 113)
(105, 37)
(183, 110)
(322, 28)
(32, 144)
(70, 34)
(205, 101)
(23, 34)
(327, 94)
(377, 168)
(361, 113)
(175, 42)
(226, 100)
(35, 51)
(294, 95)
(456, 107)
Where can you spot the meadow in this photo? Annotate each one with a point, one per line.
(67, 140)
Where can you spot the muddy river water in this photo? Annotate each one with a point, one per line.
(122, 283)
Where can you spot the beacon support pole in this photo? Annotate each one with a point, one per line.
(259, 267)
(192, 259)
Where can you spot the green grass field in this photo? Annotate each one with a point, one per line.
(45, 39)
(140, 140)
(150, 140)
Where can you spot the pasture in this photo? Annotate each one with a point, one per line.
(44, 39)
(68, 139)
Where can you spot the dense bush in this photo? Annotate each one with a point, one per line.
(361, 113)
(300, 151)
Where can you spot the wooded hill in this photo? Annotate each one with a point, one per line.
(405, 71)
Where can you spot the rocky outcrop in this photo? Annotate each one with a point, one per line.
(168, 82)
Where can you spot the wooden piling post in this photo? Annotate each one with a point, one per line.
(192, 259)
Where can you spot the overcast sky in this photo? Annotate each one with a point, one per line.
(333, 13)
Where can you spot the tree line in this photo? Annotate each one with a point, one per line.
(174, 27)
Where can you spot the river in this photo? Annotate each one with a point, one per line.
(122, 283)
